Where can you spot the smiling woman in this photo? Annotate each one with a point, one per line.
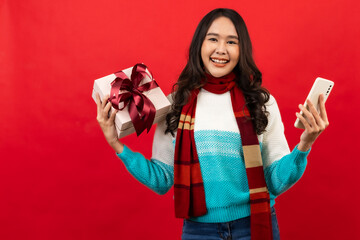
(231, 161)
(220, 49)
(221, 36)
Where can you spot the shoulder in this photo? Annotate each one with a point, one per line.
(271, 101)
(271, 105)
(273, 114)
(170, 97)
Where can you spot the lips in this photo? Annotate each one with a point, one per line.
(219, 60)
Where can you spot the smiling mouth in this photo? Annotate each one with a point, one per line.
(219, 61)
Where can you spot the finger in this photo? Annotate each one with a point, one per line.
(304, 122)
(308, 115)
(315, 114)
(113, 115)
(104, 101)
(98, 102)
(106, 110)
(323, 113)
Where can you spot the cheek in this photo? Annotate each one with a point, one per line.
(204, 54)
(235, 54)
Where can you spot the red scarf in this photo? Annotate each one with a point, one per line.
(188, 183)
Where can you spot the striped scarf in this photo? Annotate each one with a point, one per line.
(188, 184)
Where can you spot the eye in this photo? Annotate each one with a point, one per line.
(232, 42)
(212, 39)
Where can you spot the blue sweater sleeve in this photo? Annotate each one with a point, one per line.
(285, 172)
(154, 174)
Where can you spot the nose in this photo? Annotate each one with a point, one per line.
(221, 48)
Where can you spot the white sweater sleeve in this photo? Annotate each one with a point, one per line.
(275, 145)
(282, 168)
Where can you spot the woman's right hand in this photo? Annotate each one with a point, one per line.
(107, 123)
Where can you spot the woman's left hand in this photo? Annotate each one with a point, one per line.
(315, 123)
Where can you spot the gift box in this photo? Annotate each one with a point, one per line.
(139, 99)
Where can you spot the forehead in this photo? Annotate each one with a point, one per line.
(222, 26)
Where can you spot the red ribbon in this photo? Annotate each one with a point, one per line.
(141, 109)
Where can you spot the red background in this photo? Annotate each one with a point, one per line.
(60, 180)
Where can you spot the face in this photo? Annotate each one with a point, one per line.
(220, 50)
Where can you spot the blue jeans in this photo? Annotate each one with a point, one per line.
(234, 230)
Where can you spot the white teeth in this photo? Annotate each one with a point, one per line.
(218, 61)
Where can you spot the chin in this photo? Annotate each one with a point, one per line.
(218, 74)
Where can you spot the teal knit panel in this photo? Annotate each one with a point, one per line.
(223, 172)
(222, 167)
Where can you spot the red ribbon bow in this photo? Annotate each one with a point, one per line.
(141, 109)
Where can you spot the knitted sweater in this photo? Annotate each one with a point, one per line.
(218, 144)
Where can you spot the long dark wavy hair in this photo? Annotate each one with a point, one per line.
(248, 76)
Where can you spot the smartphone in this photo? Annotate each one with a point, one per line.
(320, 86)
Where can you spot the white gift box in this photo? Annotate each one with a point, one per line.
(123, 122)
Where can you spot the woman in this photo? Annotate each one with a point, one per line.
(230, 162)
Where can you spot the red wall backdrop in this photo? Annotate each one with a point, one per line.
(60, 180)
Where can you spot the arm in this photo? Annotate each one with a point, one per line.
(282, 168)
(157, 173)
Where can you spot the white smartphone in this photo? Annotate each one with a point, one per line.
(320, 86)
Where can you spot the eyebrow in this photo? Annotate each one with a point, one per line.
(217, 35)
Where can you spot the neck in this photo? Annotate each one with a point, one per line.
(230, 76)
(221, 84)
